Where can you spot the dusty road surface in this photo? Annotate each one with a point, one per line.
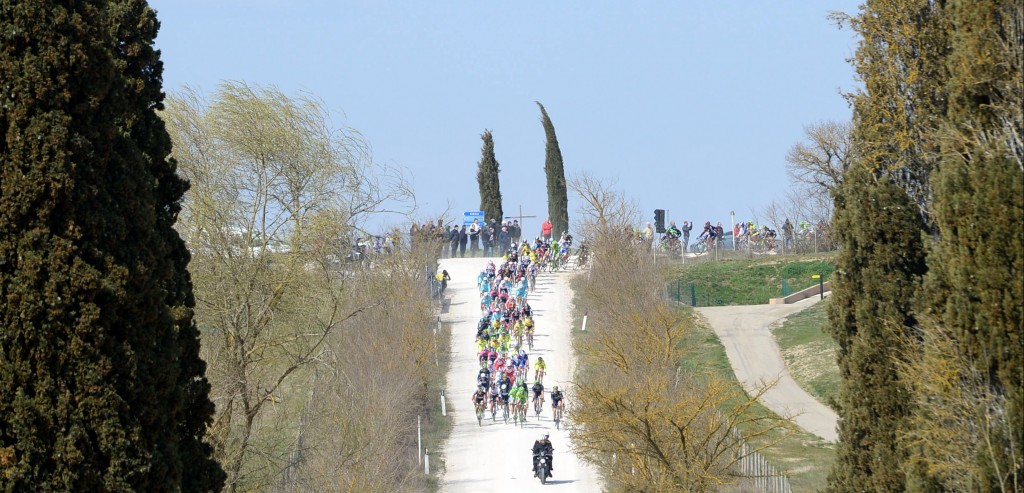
(755, 358)
(495, 457)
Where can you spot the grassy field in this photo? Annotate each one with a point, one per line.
(808, 351)
(810, 354)
(746, 281)
(804, 457)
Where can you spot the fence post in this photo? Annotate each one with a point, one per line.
(419, 441)
(693, 295)
(426, 461)
(444, 411)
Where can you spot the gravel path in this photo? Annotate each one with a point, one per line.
(755, 358)
(496, 457)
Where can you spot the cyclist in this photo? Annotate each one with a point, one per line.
(556, 400)
(538, 392)
(521, 397)
(504, 390)
(479, 397)
(509, 372)
(513, 399)
(539, 369)
(493, 394)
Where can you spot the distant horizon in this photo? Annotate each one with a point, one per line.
(689, 107)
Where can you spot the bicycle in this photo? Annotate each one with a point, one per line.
(558, 415)
(479, 414)
(538, 404)
(529, 339)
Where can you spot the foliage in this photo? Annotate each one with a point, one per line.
(101, 385)
(805, 458)
(645, 421)
(900, 58)
(881, 261)
(969, 373)
(278, 197)
(487, 179)
(941, 114)
(554, 170)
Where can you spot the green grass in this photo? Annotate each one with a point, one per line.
(804, 457)
(747, 281)
(810, 353)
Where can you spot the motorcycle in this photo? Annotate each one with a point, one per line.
(543, 469)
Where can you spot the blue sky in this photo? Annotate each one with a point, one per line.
(690, 106)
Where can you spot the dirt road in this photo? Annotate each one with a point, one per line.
(755, 358)
(495, 457)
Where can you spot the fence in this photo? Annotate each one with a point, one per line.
(692, 294)
(727, 292)
(759, 475)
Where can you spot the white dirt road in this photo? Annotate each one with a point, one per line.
(754, 355)
(495, 457)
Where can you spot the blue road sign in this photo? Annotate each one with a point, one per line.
(468, 217)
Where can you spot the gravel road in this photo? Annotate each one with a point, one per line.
(755, 358)
(496, 457)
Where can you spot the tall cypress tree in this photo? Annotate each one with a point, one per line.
(973, 288)
(900, 57)
(881, 260)
(101, 385)
(487, 179)
(558, 195)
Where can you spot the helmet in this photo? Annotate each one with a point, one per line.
(554, 388)
(545, 436)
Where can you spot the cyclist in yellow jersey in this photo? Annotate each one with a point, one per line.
(539, 368)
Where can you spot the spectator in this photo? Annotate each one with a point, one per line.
(453, 239)
(503, 240)
(515, 231)
(474, 237)
(719, 233)
(545, 230)
(787, 235)
(687, 226)
(487, 238)
(463, 239)
(648, 233)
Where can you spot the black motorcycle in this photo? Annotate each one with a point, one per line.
(543, 467)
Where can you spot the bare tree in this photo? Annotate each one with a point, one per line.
(820, 161)
(605, 211)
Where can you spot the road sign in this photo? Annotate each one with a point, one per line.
(468, 217)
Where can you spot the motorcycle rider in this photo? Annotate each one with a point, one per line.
(543, 446)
